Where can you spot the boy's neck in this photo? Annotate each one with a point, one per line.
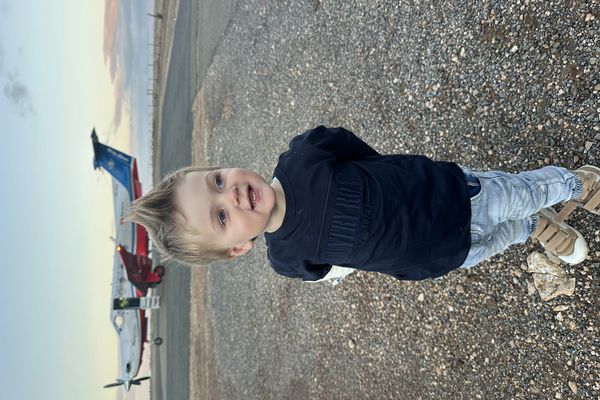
(279, 209)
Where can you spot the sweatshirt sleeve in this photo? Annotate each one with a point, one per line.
(344, 144)
(284, 263)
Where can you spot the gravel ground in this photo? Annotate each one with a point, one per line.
(489, 84)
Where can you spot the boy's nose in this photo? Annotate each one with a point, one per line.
(234, 195)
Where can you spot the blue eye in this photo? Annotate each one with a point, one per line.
(221, 217)
(218, 182)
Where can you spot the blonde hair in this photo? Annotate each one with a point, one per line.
(174, 238)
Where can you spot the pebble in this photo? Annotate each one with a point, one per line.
(559, 317)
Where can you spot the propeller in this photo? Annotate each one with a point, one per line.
(120, 382)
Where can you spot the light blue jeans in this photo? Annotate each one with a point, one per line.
(503, 212)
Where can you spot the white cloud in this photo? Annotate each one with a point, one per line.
(18, 94)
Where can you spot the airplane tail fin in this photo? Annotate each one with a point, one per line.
(117, 163)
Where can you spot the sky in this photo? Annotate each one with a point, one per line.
(66, 66)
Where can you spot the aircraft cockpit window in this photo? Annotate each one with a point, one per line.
(128, 367)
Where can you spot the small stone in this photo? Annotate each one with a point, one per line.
(460, 289)
(562, 307)
(421, 297)
(597, 88)
(589, 17)
(351, 344)
(523, 266)
(588, 145)
(559, 317)
(573, 387)
(530, 288)
(557, 395)
(514, 49)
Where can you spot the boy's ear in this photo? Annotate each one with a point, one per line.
(241, 249)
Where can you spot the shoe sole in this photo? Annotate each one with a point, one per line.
(590, 168)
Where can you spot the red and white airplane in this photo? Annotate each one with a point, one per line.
(132, 268)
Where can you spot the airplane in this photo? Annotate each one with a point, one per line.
(132, 267)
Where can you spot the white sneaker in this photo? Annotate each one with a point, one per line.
(559, 238)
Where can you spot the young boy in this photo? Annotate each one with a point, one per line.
(336, 205)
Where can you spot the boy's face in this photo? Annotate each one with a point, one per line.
(229, 207)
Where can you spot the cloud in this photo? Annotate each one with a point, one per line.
(119, 102)
(111, 11)
(112, 56)
(18, 94)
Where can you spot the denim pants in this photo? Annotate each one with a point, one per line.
(503, 212)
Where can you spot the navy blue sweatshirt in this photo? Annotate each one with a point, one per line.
(402, 215)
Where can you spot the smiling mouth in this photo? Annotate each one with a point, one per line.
(252, 197)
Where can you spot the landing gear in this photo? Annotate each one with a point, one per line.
(157, 341)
